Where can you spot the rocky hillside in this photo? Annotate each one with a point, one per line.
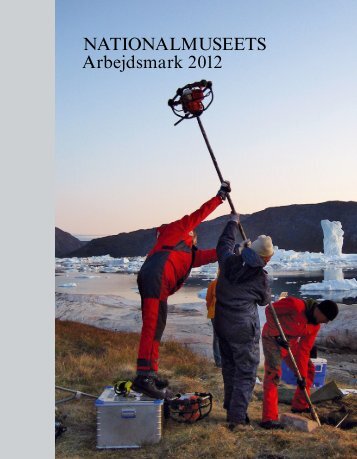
(298, 227)
(138, 243)
(295, 227)
(65, 243)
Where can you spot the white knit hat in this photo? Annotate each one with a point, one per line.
(263, 246)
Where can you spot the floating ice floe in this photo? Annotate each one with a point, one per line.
(86, 276)
(208, 271)
(96, 264)
(333, 282)
(109, 269)
(289, 260)
(68, 285)
(336, 285)
(282, 260)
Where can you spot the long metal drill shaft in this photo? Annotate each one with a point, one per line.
(229, 199)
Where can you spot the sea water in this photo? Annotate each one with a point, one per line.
(124, 285)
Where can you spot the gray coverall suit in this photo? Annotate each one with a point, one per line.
(241, 285)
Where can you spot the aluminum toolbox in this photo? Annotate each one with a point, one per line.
(127, 422)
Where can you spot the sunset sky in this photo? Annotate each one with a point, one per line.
(282, 124)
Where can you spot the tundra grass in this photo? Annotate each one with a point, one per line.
(88, 359)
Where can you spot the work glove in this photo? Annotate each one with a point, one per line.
(224, 190)
(301, 383)
(238, 248)
(282, 342)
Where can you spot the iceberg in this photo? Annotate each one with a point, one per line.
(333, 238)
(335, 285)
(333, 275)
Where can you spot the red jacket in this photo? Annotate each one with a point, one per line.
(292, 316)
(171, 256)
(291, 312)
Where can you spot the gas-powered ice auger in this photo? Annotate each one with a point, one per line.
(191, 101)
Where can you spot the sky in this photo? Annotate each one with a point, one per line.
(282, 124)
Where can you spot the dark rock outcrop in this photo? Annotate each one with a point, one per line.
(65, 243)
(295, 227)
(131, 244)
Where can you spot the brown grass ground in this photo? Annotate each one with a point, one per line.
(88, 359)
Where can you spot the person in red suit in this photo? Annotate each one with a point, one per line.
(164, 271)
(300, 320)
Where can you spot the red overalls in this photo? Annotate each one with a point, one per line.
(165, 269)
(301, 336)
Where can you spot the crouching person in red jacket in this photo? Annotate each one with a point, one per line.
(300, 320)
(164, 271)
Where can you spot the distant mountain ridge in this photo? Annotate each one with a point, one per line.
(65, 243)
(294, 227)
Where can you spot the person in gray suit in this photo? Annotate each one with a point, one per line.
(242, 285)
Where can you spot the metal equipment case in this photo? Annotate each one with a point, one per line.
(127, 422)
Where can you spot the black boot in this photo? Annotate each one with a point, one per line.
(160, 383)
(271, 425)
(146, 385)
(247, 420)
(242, 425)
